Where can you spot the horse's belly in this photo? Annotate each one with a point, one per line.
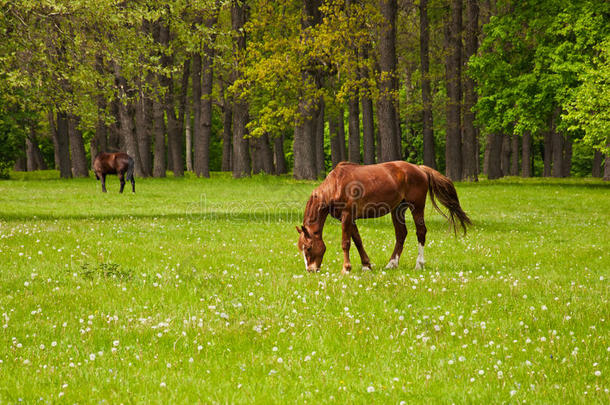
(373, 210)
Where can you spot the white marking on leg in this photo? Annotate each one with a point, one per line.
(393, 263)
(419, 263)
(366, 268)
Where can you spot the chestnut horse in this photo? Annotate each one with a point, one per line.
(118, 163)
(351, 192)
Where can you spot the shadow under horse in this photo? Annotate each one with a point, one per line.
(119, 163)
(351, 192)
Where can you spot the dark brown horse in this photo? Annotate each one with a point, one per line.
(118, 163)
(351, 192)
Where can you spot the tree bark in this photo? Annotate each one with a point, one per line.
(241, 158)
(278, 155)
(514, 155)
(567, 156)
(143, 132)
(61, 142)
(353, 121)
(386, 106)
(494, 156)
(174, 136)
(262, 156)
(188, 139)
(469, 144)
(453, 144)
(34, 160)
(548, 153)
(227, 148)
(77, 148)
(526, 155)
(198, 146)
(558, 141)
(505, 156)
(305, 165)
(597, 164)
(335, 148)
(368, 120)
(607, 165)
(320, 154)
(159, 167)
(427, 119)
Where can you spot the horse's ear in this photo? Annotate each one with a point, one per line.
(305, 232)
(298, 229)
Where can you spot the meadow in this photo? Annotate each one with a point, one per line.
(192, 290)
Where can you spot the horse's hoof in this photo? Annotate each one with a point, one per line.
(366, 267)
(419, 265)
(392, 264)
(346, 271)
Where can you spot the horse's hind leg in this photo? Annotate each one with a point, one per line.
(103, 178)
(366, 262)
(400, 230)
(133, 185)
(122, 179)
(420, 225)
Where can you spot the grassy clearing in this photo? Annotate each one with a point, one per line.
(193, 290)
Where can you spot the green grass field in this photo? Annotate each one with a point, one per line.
(192, 290)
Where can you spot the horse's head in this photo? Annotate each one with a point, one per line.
(313, 248)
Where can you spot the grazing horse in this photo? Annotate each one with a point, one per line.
(351, 192)
(118, 163)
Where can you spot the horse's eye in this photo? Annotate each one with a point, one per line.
(308, 248)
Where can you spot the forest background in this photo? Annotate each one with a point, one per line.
(497, 88)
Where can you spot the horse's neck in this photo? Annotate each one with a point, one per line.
(316, 212)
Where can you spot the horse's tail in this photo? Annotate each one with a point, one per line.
(130, 167)
(442, 188)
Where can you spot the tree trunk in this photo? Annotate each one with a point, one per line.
(469, 145)
(567, 156)
(494, 153)
(386, 106)
(526, 155)
(198, 145)
(143, 132)
(368, 130)
(278, 155)
(548, 153)
(514, 155)
(607, 165)
(597, 164)
(62, 145)
(188, 138)
(227, 148)
(335, 147)
(174, 136)
(262, 156)
(320, 154)
(114, 129)
(505, 156)
(305, 165)
(453, 144)
(159, 167)
(427, 120)
(34, 160)
(241, 158)
(558, 142)
(368, 120)
(77, 148)
(353, 121)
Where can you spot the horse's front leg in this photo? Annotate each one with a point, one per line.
(346, 227)
(400, 230)
(103, 179)
(366, 262)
